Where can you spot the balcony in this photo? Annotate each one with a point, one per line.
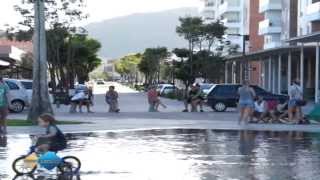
(267, 5)
(208, 8)
(226, 7)
(229, 23)
(271, 45)
(313, 12)
(267, 27)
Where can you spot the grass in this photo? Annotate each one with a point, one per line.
(17, 122)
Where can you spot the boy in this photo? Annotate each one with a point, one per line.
(53, 140)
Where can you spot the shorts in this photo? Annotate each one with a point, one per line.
(292, 103)
(246, 104)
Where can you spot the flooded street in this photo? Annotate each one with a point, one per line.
(184, 154)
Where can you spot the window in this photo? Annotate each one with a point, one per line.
(225, 90)
(26, 85)
(168, 90)
(12, 85)
(259, 90)
(233, 31)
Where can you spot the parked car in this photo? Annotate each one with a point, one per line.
(100, 82)
(224, 96)
(207, 88)
(27, 84)
(164, 89)
(18, 96)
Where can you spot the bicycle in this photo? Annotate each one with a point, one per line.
(21, 166)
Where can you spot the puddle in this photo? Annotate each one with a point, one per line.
(184, 154)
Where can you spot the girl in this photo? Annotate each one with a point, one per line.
(246, 101)
(53, 140)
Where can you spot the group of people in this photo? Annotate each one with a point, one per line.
(82, 97)
(195, 97)
(255, 109)
(85, 97)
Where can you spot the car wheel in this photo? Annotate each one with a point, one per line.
(17, 106)
(220, 107)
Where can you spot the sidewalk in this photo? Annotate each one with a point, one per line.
(134, 115)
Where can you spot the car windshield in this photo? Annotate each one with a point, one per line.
(26, 85)
(205, 86)
(159, 87)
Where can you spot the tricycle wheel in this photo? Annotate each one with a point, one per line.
(20, 167)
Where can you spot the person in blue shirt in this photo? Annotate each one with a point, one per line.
(4, 94)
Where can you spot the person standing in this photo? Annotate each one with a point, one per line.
(152, 98)
(4, 100)
(295, 98)
(112, 99)
(246, 101)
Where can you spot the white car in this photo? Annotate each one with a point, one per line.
(165, 88)
(18, 96)
(27, 84)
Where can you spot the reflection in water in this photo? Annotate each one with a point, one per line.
(186, 154)
(3, 141)
(59, 177)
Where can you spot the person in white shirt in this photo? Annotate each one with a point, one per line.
(260, 109)
(77, 100)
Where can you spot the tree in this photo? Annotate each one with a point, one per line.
(61, 19)
(150, 63)
(213, 32)
(127, 67)
(190, 30)
(85, 56)
(202, 36)
(40, 96)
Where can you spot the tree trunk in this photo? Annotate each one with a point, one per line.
(40, 97)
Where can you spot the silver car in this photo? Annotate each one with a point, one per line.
(18, 96)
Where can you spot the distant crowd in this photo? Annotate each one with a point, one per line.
(253, 108)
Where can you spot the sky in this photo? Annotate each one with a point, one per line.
(104, 9)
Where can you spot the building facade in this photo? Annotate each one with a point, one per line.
(283, 46)
(233, 14)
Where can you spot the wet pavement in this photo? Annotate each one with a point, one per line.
(184, 154)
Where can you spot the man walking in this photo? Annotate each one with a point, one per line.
(4, 92)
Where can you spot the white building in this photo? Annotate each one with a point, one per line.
(309, 16)
(233, 14)
(271, 27)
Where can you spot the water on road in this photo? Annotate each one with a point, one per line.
(184, 154)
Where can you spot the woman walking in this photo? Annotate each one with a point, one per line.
(246, 101)
(295, 102)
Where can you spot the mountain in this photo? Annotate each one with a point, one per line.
(131, 34)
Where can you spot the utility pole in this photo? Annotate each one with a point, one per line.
(40, 96)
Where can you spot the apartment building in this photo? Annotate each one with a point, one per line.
(308, 17)
(232, 13)
(284, 45)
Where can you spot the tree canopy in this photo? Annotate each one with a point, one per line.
(150, 63)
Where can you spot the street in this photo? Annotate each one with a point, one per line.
(134, 115)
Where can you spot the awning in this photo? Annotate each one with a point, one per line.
(4, 63)
(310, 38)
(258, 55)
